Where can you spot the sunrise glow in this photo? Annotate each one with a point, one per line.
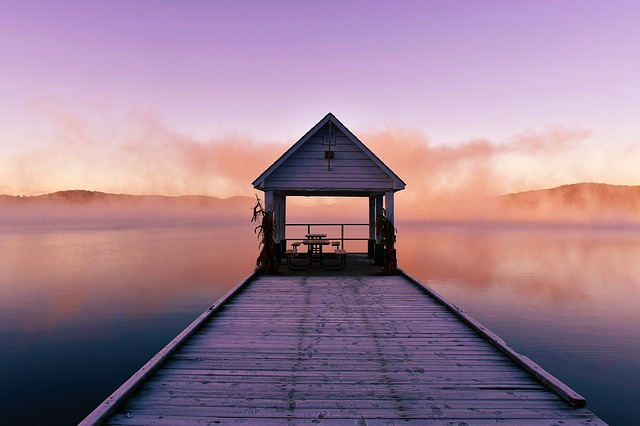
(173, 98)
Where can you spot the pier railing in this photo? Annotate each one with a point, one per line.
(334, 231)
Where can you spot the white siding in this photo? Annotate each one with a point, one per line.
(307, 168)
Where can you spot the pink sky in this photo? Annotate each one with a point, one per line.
(199, 97)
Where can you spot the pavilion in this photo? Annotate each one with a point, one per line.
(329, 161)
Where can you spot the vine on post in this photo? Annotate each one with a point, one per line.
(267, 261)
(387, 234)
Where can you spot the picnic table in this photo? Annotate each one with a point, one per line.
(315, 244)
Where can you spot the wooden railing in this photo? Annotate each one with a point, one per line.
(310, 229)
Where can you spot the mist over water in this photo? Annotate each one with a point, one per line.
(85, 302)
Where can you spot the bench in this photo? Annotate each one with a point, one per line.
(292, 253)
(340, 255)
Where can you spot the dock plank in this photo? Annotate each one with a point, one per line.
(308, 349)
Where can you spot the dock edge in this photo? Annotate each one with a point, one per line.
(547, 379)
(109, 405)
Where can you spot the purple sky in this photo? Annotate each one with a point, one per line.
(84, 83)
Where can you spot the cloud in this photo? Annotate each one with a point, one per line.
(136, 152)
(461, 181)
(447, 167)
(133, 153)
(164, 161)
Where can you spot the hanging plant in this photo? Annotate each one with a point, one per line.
(267, 261)
(386, 232)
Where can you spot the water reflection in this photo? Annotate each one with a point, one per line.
(554, 266)
(92, 274)
(83, 306)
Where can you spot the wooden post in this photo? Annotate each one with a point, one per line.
(372, 228)
(268, 201)
(388, 203)
(271, 205)
(379, 250)
(276, 221)
(279, 220)
(283, 225)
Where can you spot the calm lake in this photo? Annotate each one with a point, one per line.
(84, 305)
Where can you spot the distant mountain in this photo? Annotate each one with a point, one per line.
(580, 196)
(79, 204)
(581, 202)
(96, 198)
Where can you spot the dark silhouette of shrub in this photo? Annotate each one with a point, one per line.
(387, 234)
(267, 261)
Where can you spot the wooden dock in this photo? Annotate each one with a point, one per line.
(341, 348)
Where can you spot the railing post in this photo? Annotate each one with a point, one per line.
(342, 235)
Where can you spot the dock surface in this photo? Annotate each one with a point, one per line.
(340, 349)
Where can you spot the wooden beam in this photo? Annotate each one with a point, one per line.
(378, 252)
(278, 215)
(283, 217)
(378, 211)
(372, 218)
(269, 201)
(389, 206)
(372, 227)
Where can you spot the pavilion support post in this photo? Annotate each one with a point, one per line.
(271, 205)
(388, 203)
(282, 225)
(371, 247)
(279, 220)
(268, 201)
(379, 249)
(391, 253)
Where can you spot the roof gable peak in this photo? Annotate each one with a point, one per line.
(393, 182)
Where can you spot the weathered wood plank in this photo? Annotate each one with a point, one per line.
(399, 357)
(359, 421)
(399, 412)
(449, 403)
(437, 395)
(354, 389)
(354, 352)
(322, 375)
(435, 364)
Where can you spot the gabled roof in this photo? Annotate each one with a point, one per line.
(394, 183)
